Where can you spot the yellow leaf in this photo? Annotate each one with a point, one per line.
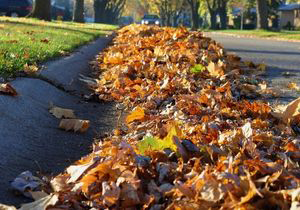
(155, 143)
(137, 114)
(261, 67)
(215, 70)
(293, 86)
(62, 113)
(74, 124)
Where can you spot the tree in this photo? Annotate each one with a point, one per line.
(108, 11)
(222, 7)
(78, 13)
(135, 8)
(213, 8)
(41, 10)
(195, 5)
(246, 12)
(262, 14)
(169, 10)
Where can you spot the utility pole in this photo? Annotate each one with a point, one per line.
(242, 18)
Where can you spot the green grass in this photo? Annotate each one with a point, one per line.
(28, 42)
(289, 35)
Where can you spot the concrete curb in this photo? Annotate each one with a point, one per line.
(65, 72)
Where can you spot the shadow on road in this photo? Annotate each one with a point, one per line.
(281, 74)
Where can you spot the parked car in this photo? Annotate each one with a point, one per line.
(150, 20)
(15, 8)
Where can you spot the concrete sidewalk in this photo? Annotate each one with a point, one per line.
(29, 134)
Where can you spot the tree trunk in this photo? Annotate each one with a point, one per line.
(262, 14)
(223, 14)
(169, 17)
(78, 15)
(99, 9)
(223, 19)
(213, 20)
(67, 15)
(195, 4)
(195, 19)
(41, 10)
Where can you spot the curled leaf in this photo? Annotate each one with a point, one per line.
(62, 113)
(75, 125)
(7, 89)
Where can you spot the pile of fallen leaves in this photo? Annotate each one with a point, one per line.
(193, 137)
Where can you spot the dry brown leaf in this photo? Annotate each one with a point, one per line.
(7, 89)
(59, 183)
(215, 70)
(129, 195)
(36, 195)
(75, 125)
(212, 191)
(292, 109)
(77, 171)
(30, 69)
(252, 191)
(5, 207)
(247, 130)
(111, 193)
(59, 112)
(137, 114)
(41, 204)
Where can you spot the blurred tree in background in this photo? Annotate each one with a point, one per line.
(108, 11)
(41, 10)
(78, 11)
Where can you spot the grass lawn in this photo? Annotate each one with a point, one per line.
(27, 42)
(290, 35)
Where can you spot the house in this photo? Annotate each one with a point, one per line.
(237, 16)
(289, 16)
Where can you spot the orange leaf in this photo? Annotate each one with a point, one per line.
(137, 114)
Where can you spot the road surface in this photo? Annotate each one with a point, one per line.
(280, 56)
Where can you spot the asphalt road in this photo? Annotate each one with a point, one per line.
(280, 56)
